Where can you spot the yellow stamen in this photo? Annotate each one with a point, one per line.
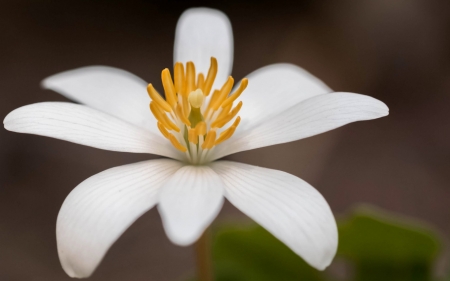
(223, 93)
(176, 143)
(200, 81)
(224, 112)
(236, 121)
(157, 98)
(179, 78)
(228, 132)
(225, 135)
(219, 123)
(192, 136)
(186, 106)
(161, 117)
(200, 129)
(212, 72)
(172, 125)
(183, 105)
(196, 98)
(163, 130)
(236, 94)
(180, 114)
(213, 99)
(210, 139)
(169, 88)
(190, 77)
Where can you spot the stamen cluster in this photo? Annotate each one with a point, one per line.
(190, 118)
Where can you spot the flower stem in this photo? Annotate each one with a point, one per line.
(203, 257)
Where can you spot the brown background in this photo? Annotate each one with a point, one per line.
(396, 51)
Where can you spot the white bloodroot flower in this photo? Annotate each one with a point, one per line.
(197, 123)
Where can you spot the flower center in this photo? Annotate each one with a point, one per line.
(190, 118)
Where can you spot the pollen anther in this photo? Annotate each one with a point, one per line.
(220, 122)
(200, 129)
(192, 136)
(176, 143)
(236, 94)
(200, 81)
(157, 98)
(190, 77)
(179, 78)
(163, 130)
(182, 116)
(210, 139)
(212, 72)
(161, 117)
(169, 88)
(223, 93)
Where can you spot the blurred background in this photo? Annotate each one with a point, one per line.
(396, 51)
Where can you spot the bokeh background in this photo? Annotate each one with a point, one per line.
(396, 51)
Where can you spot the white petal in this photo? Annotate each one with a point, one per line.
(100, 209)
(111, 90)
(189, 202)
(275, 88)
(203, 33)
(288, 207)
(83, 125)
(310, 117)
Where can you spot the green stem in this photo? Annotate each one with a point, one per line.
(203, 257)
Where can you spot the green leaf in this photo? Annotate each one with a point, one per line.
(385, 247)
(379, 245)
(250, 253)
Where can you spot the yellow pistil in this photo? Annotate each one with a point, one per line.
(196, 98)
(189, 117)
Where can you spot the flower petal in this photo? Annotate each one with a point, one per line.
(83, 125)
(189, 202)
(274, 88)
(310, 117)
(203, 33)
(97, 212)
(288, 207)
(111, 90)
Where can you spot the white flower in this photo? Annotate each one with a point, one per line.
(281, 103)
